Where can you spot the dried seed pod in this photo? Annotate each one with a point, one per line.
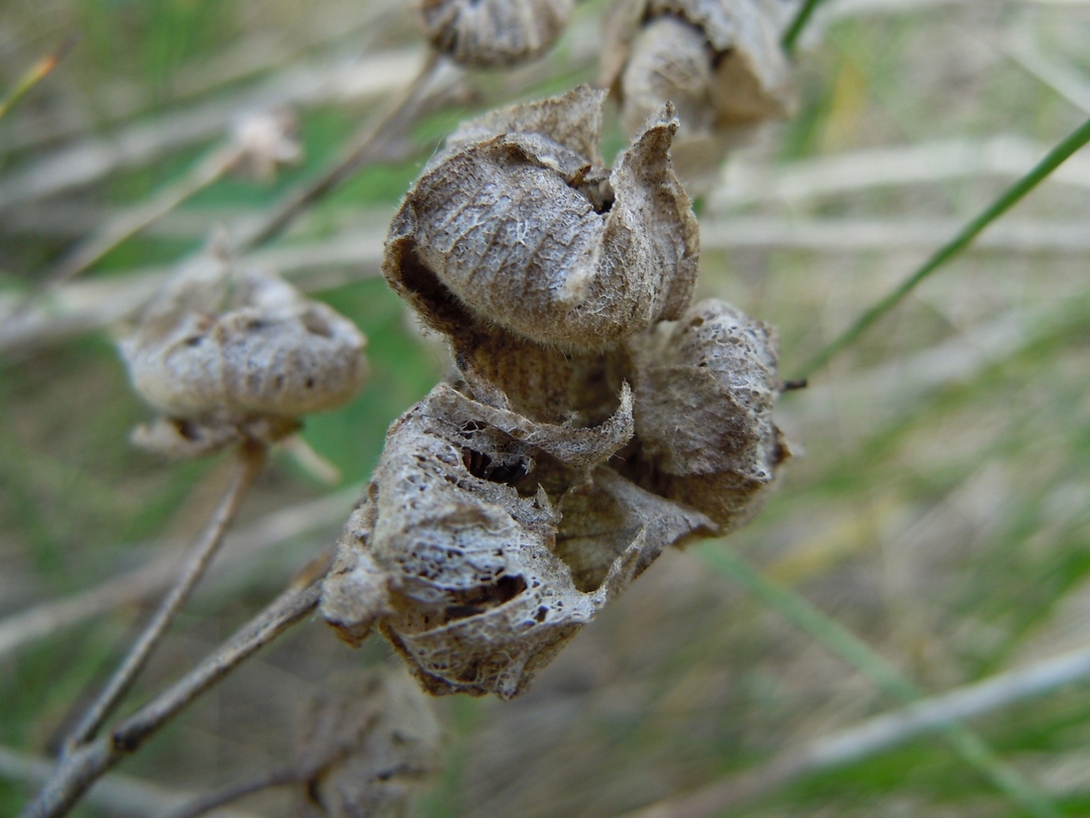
(719, 61)
(219, 351)
(485, 33)
(455, 551)
(364, 750)
(517, 224)
(669, 60)
(716, 369)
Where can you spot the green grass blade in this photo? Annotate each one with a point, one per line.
(853, 650)
(791, 37)
(34, 75)
(1010, 197)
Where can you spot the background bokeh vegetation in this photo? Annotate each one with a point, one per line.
(939, 506)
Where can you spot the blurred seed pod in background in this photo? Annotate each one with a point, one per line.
(226, 355)
(365, 749)
(490, 33)
(719, 61)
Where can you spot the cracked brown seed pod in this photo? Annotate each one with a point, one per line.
(705, 388)
(367, 748)
(228, 355)
(488, 33)
(460, 556)
(518, 224)
(719, 61)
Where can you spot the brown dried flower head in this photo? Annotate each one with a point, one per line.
(519, 224)
(719, 61)
(461, 557)
(227, 355)
(717, 369)
(486, 33)
(514, 502)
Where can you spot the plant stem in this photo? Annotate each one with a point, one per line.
(81, 768)
(207, 802)
(366, 146)
(131, 221)
(802, 17)
(251, 459)
(1010, 197)
(857, 653)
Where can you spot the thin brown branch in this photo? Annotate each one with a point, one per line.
(85, 765)
(251, 459)
(120, 796)
(132, 220)
(364, 147)
(271, 530)
(206, 803)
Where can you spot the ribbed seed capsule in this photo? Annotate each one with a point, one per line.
(460, 557)
(221, 350)
(518, 224)
(483, 33)
(719, 61)
(705, 390)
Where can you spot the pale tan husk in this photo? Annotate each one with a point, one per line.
(580, 435)
(225, 355)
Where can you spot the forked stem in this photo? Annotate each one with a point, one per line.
(251, 459)
(83, 766)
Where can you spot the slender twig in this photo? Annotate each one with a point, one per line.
(35, 74)
(47, 618)
(834, 637)
(142, 142)
(131, 221)
(802, 17)
(1005, 202)
(81, 768)
(367, 145)
(251, 460)
(117, 795)
(877, 735)
(205, 803)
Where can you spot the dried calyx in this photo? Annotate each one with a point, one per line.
(487, 33)
(516, 500)
(227, 355)
(366, 749)
(719, 61)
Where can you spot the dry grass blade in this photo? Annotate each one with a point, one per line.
(94, 159)
(130, 222)
(859, 171)
(1009, 198)
(365, 147)
(970, 747)
(877, 735)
